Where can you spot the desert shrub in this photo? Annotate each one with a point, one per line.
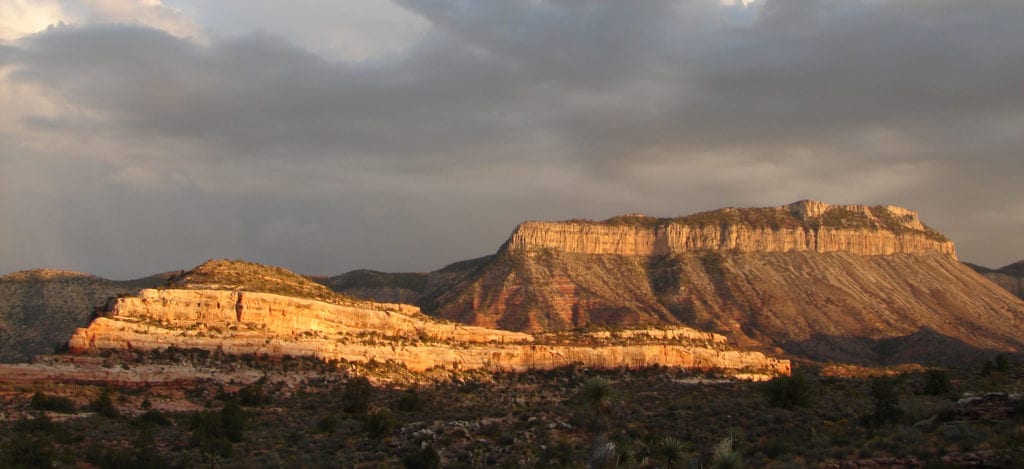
(598, 393)
(60, 404)
(724, 456)
(886, 396)
(669, 452)
(153, 417)
(213, 432)
(1002, 363)
(141, 455)
(936, 383)
(425, 457)
(788, 391)
(378, 424)
(559, 454)
(23, 450)
(410, 401)
(232, 419)
(327, 424)
(253, 395)
(356, 397)
(987, 367)
(104, 405)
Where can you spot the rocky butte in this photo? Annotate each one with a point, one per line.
(233, 319)
(853, 283)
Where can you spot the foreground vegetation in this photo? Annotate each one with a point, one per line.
(570, 417)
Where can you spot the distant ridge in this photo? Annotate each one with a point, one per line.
(40, 308)
(1010, 277)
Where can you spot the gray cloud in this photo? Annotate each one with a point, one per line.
(139, 151)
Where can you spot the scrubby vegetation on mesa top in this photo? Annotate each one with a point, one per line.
(568, 417)
(777, 218)
(223, 274)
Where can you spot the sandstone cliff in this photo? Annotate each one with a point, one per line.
(262, 323)
(801, 226)
(847, 283)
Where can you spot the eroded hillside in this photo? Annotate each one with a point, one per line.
(849, 283)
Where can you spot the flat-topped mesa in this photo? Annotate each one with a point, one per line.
(801, 226)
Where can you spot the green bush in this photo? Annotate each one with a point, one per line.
(724, 456)
(936, 383)
(669, 452)
(378, 424)
(1002, 363)
(232, 419)
(356, 397)
(425, 457)
(327, 424)
(153, 417)
(213, 432)
(26, 451)
(252, 395)
(788, 391)
(886, 395)
(410, 401)
(104, 405)
(60, 404)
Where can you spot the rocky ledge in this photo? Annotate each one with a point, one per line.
(268, 324)
(801, 226)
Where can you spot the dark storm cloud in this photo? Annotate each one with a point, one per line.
(253, 147)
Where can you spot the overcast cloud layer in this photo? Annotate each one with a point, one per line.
(138, 137)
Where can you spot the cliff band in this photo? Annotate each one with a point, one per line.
(827, 282)
(801, 226)
(269, 324)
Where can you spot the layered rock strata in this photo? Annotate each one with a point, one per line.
(851, 283)
(267, 324)
(801, 226)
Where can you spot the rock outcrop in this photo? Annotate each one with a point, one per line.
(268, 324)
(801, 226)
(869, 285)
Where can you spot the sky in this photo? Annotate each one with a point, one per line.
(145, 136)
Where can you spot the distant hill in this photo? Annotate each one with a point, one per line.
(410, 287)
(1010, 277)
(851, 283)
(239, 275)
(379, 286)
(39, 309)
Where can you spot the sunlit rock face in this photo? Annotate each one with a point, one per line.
(820, 281)
(801, 226)
(267, 324)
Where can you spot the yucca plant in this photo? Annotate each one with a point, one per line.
(724, 456)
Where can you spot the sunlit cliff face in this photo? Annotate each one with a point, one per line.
(266, 324)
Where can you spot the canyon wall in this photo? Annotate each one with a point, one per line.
(802, 226)
(267, 324)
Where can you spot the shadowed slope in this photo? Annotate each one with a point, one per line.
(39, 309)
(1010, 277)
